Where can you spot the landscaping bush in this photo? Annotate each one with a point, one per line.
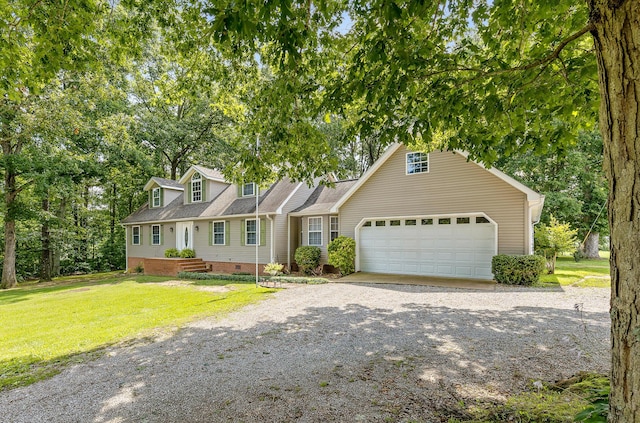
(188, 253)
(342, 254)
(307, 258)
(274, 269)
(171, 253)
(517, 270)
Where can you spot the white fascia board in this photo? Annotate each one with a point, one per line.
(364, 178)
(531, 194)
(187, 175)
(286, 200)
(149, 185)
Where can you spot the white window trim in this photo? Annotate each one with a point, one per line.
(224, 230)
(406, 163)
(309, 231)
(159, 235)
(331, 230)
(246, 232)
(253, 193)
(139, 235)
(153, 197)
(195, 180)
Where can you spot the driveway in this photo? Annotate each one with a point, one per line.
(335, 352)
(367, 277)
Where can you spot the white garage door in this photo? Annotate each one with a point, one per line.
(447, 246)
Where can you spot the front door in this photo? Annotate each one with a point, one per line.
(184, 235)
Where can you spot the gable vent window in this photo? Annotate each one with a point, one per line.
(196, 188)
(417, 163)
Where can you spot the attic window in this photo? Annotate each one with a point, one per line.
(249, 190)
(417, 163)
(155, 195)
(196, 188)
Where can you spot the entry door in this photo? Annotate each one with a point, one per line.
(184, 235)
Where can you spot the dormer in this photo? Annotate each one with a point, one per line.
(202, 184)
(162, 191)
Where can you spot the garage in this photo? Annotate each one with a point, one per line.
(456, 246)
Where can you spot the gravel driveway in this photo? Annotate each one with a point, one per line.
(335, 352)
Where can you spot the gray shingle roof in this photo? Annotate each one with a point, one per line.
(323, 198)
(167, 183)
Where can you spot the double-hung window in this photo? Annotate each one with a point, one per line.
(135, 235)
(155, 234)
(333, 229)
(218, 233)
(251, 232)
(315, 231)
(417, 163)
(249, 190)
(155, 195)
(196, 188)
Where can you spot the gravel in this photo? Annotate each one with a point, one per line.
(335, 352)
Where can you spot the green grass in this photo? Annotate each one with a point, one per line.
(47, 326)
(584, 273)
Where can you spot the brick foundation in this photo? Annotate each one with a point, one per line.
(171, 267)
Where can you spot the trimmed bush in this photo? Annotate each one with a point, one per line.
(188, 253)
(342, 254)
(171, 253)
(517, 270)
(307, 258)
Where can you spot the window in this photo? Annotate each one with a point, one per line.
(427, 221)
(410, 222)
(417, 163)
(135, 235)
(155, 234)
(367, 223)
(249, 189)
(381, 223)
(333, 230)
(155, 194)
(394, 223)
(196, 188)
(218, 233)
(444, 221)
(462, 220)
(482, 219)
(315, 231)
(251, 232)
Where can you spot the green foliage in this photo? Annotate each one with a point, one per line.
(585, 273)
(307, 258)
(139, 268)
(187, 253)
(552, 239)
(517, 270)
(171, 253)
(598, 409)
(273, 269)
(342, 254)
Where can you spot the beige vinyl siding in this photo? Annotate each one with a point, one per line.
(325, 234)
(170, 195)
(281, 224)
(452, 185)
(146, 249)
(235, 252)
(214, 188)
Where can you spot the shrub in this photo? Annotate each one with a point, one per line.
(517, 270)
(171, 253)
(273, 269)
(307, 258)
(554, 238)
(342, 254)
(139, 268)
(188, 253)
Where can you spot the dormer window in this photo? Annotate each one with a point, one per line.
(249, 190)
(417, 163)
(155, 197)
(196, 188)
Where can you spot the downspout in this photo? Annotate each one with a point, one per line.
(289, 243)
(271, 229)
(126, 249)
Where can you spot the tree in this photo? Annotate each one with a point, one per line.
(552, 239)
(489, 77)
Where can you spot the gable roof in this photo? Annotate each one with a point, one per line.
(210, 174)
(532, 196)
(323, 198)
(163, 183)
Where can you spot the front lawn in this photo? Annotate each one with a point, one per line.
(73, 319)
(584, 273)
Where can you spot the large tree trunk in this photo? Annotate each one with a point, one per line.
(56, 251)
(9, 279)
(617, 42)
(591, 248)
(45, 257)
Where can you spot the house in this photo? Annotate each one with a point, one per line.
(411, 213)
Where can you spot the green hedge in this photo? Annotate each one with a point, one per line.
(342, 254)
(307, 258)
(517, 270)
(250, 278)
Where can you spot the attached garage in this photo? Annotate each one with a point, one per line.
(457, 246)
